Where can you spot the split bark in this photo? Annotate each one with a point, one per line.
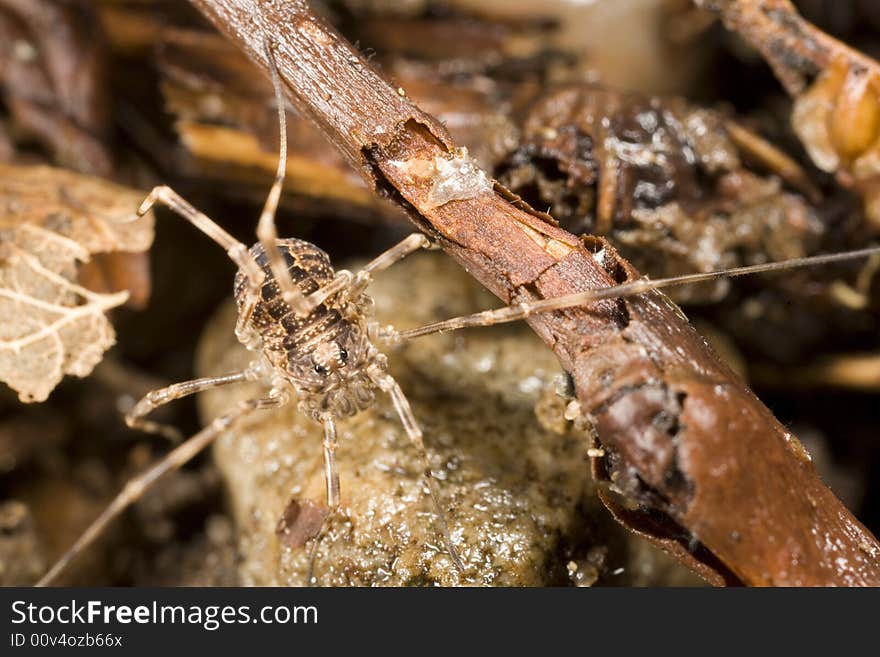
(703, 467)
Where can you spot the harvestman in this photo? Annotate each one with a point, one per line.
(308, 326)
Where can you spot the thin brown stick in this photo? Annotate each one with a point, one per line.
(718, 479)
(624, 291)
(796, 49)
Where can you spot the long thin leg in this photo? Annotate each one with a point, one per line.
(387, 384)
(640, 286)
(341, 281)
(331, 479)
(244, 330)
(137, 486)
(266, 230)
(136, 417)
(383, 261)
(331, 474)
(237, 251)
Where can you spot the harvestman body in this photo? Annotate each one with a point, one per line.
(307, 326)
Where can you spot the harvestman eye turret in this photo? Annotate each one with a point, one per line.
(308, 328)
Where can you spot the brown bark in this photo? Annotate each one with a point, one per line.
(794, 48)
(703, 465)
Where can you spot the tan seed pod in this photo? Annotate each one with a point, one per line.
(811, 118)
(854, 123)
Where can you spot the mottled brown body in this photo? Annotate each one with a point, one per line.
(326, 355)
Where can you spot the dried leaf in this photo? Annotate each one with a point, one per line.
(52, 221)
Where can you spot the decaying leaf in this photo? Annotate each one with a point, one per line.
(51, 223)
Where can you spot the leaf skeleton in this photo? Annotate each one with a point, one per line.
(308, 326)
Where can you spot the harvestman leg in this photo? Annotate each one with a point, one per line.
(267, 233)
(331, 479)
(331, 474)
(353, 286)
(136, 417)
(640, 286)
(236, 251)
(388, 385)
(383, 261)
(137, 486)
